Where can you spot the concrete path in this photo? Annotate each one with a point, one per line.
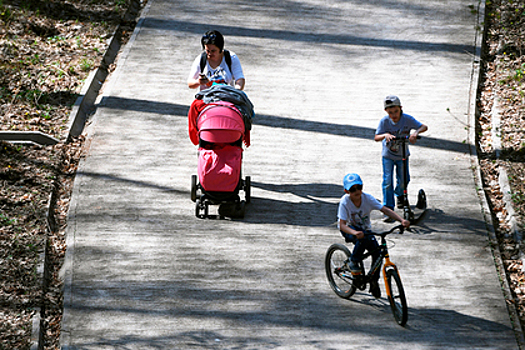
(142, 272)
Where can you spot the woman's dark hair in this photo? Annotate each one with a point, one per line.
(213, 37)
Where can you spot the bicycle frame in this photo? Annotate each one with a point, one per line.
(383, 255)
(388, 264)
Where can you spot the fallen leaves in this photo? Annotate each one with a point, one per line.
(47, 49)
(503, 95)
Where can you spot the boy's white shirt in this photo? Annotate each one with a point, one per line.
(358, 217)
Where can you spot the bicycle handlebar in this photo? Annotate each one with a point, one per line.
(401, 229)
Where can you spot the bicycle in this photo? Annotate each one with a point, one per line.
(345, 284)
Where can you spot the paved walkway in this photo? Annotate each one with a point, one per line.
(142, 272)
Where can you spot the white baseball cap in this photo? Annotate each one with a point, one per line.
(392, 100)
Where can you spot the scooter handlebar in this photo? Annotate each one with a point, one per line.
(405, 137)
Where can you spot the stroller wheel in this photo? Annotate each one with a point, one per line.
(201, 205)
(193, 187)
(198, 208)
(228, 209)
(248, 189)
(206, 210)
(242, 209)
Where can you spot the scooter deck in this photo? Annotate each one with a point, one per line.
(416, 212)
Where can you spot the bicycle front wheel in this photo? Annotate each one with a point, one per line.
(397, 299)
(338, 276)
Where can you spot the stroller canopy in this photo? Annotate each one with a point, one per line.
(220, 122)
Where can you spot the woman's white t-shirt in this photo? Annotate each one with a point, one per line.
(220, 74)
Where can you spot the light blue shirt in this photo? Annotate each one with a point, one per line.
(392, 150)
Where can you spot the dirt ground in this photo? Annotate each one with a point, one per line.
(47, 49)
(502, 97)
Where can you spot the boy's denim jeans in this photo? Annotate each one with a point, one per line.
(388, 181)
(368, 243)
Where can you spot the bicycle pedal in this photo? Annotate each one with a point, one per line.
(358, 282)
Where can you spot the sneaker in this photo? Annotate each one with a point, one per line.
(375, 290)
(400, 204)
(353, 267)
(388, 219)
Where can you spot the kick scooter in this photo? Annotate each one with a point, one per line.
(412, 215)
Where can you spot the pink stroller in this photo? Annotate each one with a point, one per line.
(221, 132)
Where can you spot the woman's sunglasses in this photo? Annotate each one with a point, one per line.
(208, 38)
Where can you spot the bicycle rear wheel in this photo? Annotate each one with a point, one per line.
(338, 276)
(397, 299)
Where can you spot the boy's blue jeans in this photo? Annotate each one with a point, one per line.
(368, 243)
(388, 181)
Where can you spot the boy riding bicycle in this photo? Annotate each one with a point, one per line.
(354, 220)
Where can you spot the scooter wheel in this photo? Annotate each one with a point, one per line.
(421, 200)
(408, 215)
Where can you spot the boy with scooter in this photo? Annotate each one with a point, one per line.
(395, 125)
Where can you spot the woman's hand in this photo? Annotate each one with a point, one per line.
(203, 79)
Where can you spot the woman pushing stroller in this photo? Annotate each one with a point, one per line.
(215, 64)
(219, 122)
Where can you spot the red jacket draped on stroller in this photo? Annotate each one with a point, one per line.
(195, 110)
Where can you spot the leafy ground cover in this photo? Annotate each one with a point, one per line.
(47, 49)
(502, 120)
